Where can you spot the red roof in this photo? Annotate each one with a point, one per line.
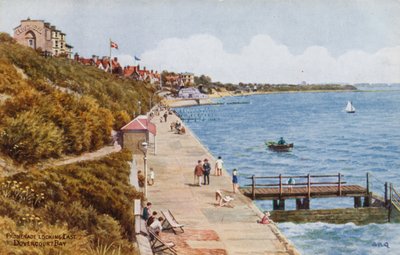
(140, 123)
(129, 70)
(86, 61)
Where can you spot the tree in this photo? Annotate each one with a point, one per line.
(203, 79)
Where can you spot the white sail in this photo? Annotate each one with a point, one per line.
(350, 107)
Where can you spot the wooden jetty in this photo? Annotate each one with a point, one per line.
(310, 186)
(368, 208)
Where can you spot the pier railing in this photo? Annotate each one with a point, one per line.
(306, 180)
(394, 201)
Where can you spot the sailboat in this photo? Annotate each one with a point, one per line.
(350, 108)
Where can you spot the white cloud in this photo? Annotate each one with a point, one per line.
(264, 60)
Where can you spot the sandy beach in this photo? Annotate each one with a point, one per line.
(209, 229)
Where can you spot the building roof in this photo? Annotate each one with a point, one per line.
(129, 70)
(140, 123)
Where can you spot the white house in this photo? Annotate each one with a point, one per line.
(191, 93)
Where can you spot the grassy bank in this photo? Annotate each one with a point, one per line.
(89, 203)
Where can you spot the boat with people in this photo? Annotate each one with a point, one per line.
(350, 108)
(281, 145)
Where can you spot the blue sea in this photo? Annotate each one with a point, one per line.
(327, 140)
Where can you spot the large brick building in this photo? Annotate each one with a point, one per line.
(39, 34)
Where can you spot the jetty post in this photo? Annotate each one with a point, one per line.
(386, 194)
(253, 187)
(390, 202)
(368, 198)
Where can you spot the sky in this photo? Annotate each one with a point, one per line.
(260, 41)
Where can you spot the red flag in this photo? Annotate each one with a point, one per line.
(113, 45)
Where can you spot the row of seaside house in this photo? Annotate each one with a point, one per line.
(135, 72)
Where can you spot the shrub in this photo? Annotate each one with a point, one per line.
(94, 196)
(29, 138)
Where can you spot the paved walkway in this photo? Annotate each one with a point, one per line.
(209, 229)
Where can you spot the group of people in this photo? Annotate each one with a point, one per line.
(178, 127)
(203, 169)
(152, 220)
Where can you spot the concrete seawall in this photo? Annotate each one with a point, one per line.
(209, 229)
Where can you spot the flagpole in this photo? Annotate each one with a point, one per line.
(110, 57)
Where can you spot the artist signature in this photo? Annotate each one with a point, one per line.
(381, 244)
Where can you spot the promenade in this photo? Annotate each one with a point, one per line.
(209, 229)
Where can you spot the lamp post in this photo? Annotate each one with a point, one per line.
(144, 150)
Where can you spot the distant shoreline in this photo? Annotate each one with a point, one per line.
(209, 101)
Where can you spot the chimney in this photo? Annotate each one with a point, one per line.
(151, 71)
(144, 68)
(76, 56)
(115, 59)
(138, 67)
(94, 58)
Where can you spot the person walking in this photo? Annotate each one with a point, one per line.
(218, 166)
(207, 170)
(165, 116)
(234, 180)
(198, 172)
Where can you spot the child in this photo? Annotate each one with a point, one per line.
(151, 175)
(291, 182)
(218, 166)
(234, 180)
(265, 219)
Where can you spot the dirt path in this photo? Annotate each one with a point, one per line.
(85, 156)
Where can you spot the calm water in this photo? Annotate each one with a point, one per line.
(327, 141)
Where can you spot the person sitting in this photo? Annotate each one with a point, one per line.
(223, 200)
(146, 212)
(265, 219)
(281, 141)
(182, 130)
(141, 179)
(151, 219)
(156, 226)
